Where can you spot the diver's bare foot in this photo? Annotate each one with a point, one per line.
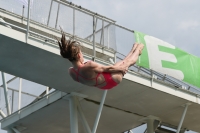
(140, 48)
(134, 47)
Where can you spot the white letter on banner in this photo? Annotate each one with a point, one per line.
(156, 56)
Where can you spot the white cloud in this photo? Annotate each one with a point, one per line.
(190, 24)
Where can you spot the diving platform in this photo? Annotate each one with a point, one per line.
(137, 100)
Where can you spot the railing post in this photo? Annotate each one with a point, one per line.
(28, 21)
(108, 37)
(23, 12)
(94, 29)
(102, 34)
(57, 15)
(49, 13)
(74, 22)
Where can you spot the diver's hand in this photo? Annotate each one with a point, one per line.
(123, 70)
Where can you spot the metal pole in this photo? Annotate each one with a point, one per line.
(115, 57)
(57, 15)
(23, 11)
(102, 33)
(6, 93)
(94, 29)
(97, 31)
(20, 93)
(150, 128)
(2, 114)
(28, 20)
(182, 118)
(73, 115)
(73, 22)
(108, 37)
(10, 81)
(84, 121)
(12, 100)
(47, 90)
(99, 112)
(49, 12)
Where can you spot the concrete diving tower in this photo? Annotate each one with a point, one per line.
(137, 100)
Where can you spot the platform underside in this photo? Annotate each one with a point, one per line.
(55, 118)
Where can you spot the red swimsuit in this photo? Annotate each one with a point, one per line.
(110, 83)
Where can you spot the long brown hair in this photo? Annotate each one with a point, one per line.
(69, 49)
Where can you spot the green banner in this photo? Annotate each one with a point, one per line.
(168, 59)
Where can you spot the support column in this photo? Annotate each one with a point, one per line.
(183, 130)
(150, 127)
(20, 93)
(82, 117)
(99, 112)
(75, 108)
(183, 116)
(6, 93)
(152, 123)
(73, 114)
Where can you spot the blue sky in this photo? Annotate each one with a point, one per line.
(176, 22)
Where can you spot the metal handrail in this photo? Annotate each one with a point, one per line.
(145, 70)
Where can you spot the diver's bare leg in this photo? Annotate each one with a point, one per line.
(129, 54)
(132, 58)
